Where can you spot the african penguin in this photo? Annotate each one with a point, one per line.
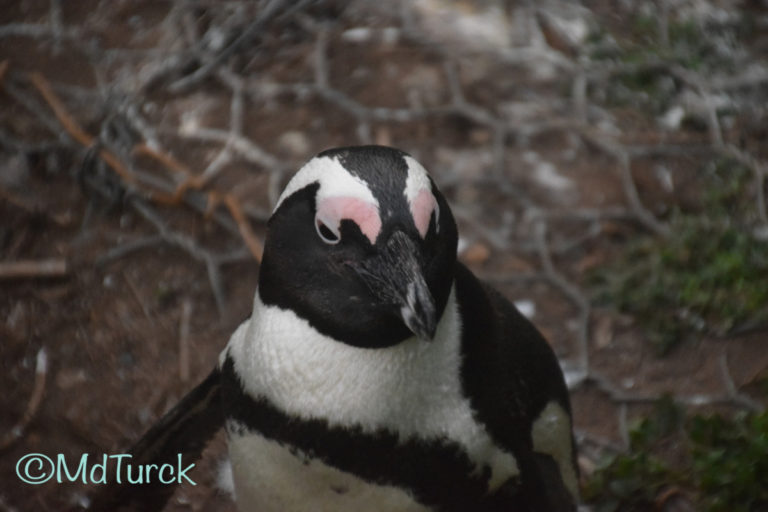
(376, 372)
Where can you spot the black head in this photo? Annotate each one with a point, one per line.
(363, 246)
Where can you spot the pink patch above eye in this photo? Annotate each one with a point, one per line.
(422, 207)
(331, 211)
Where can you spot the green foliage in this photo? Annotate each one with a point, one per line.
(627, 482)
(633, 480)
(709, 275)
(730, 461)
(646, 82)
(688, 44)
(722, 464)
(725, 182)
(645, 88)
(762, 386)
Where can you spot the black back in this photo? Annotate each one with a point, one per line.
(510, 373)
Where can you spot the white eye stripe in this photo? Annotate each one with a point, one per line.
(333, 179)
(417, 179)
(418, 192)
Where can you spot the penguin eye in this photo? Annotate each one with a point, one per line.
(326, 234)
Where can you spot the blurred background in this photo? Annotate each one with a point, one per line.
(606, 162)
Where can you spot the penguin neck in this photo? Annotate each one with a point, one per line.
(279, 356)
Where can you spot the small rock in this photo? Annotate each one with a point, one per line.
(467, 163)
(66, 378)
(476, 253)
(603, 332)
(545, 173)
(761, 233)
(586, 465)
(383, 136)
(109, 281)
(564, 33)
(479, 26)
(516, 264)
(390, 35)
(573, 374)
(590, 261)
(126, 220)
(672, 118)
(480, 136)
(526, 307)
(357, 35)
(17, 316)
(462, 245)
(295, 143)
(425, 83)
(224, 479)
(664, 177)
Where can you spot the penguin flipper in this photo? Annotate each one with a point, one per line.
(185, 430)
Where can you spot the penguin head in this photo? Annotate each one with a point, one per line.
(362, 245)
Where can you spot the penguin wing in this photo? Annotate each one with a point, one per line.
(516, 387)
(185, 430)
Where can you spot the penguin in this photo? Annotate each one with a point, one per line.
(376, 372)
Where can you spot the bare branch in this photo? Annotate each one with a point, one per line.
(188, 245)
(265, 16)
(569, 290)
(731, 388)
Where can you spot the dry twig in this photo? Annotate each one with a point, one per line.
(38, 389)
(25, 269)
(191, 181)
(253, 243)
(184, 321)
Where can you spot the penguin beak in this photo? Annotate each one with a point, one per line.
(396, 277)
(417, 309)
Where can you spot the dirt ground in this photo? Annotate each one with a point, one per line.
(500, 103)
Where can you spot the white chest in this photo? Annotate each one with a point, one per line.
(412, 389)
(270, 477)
